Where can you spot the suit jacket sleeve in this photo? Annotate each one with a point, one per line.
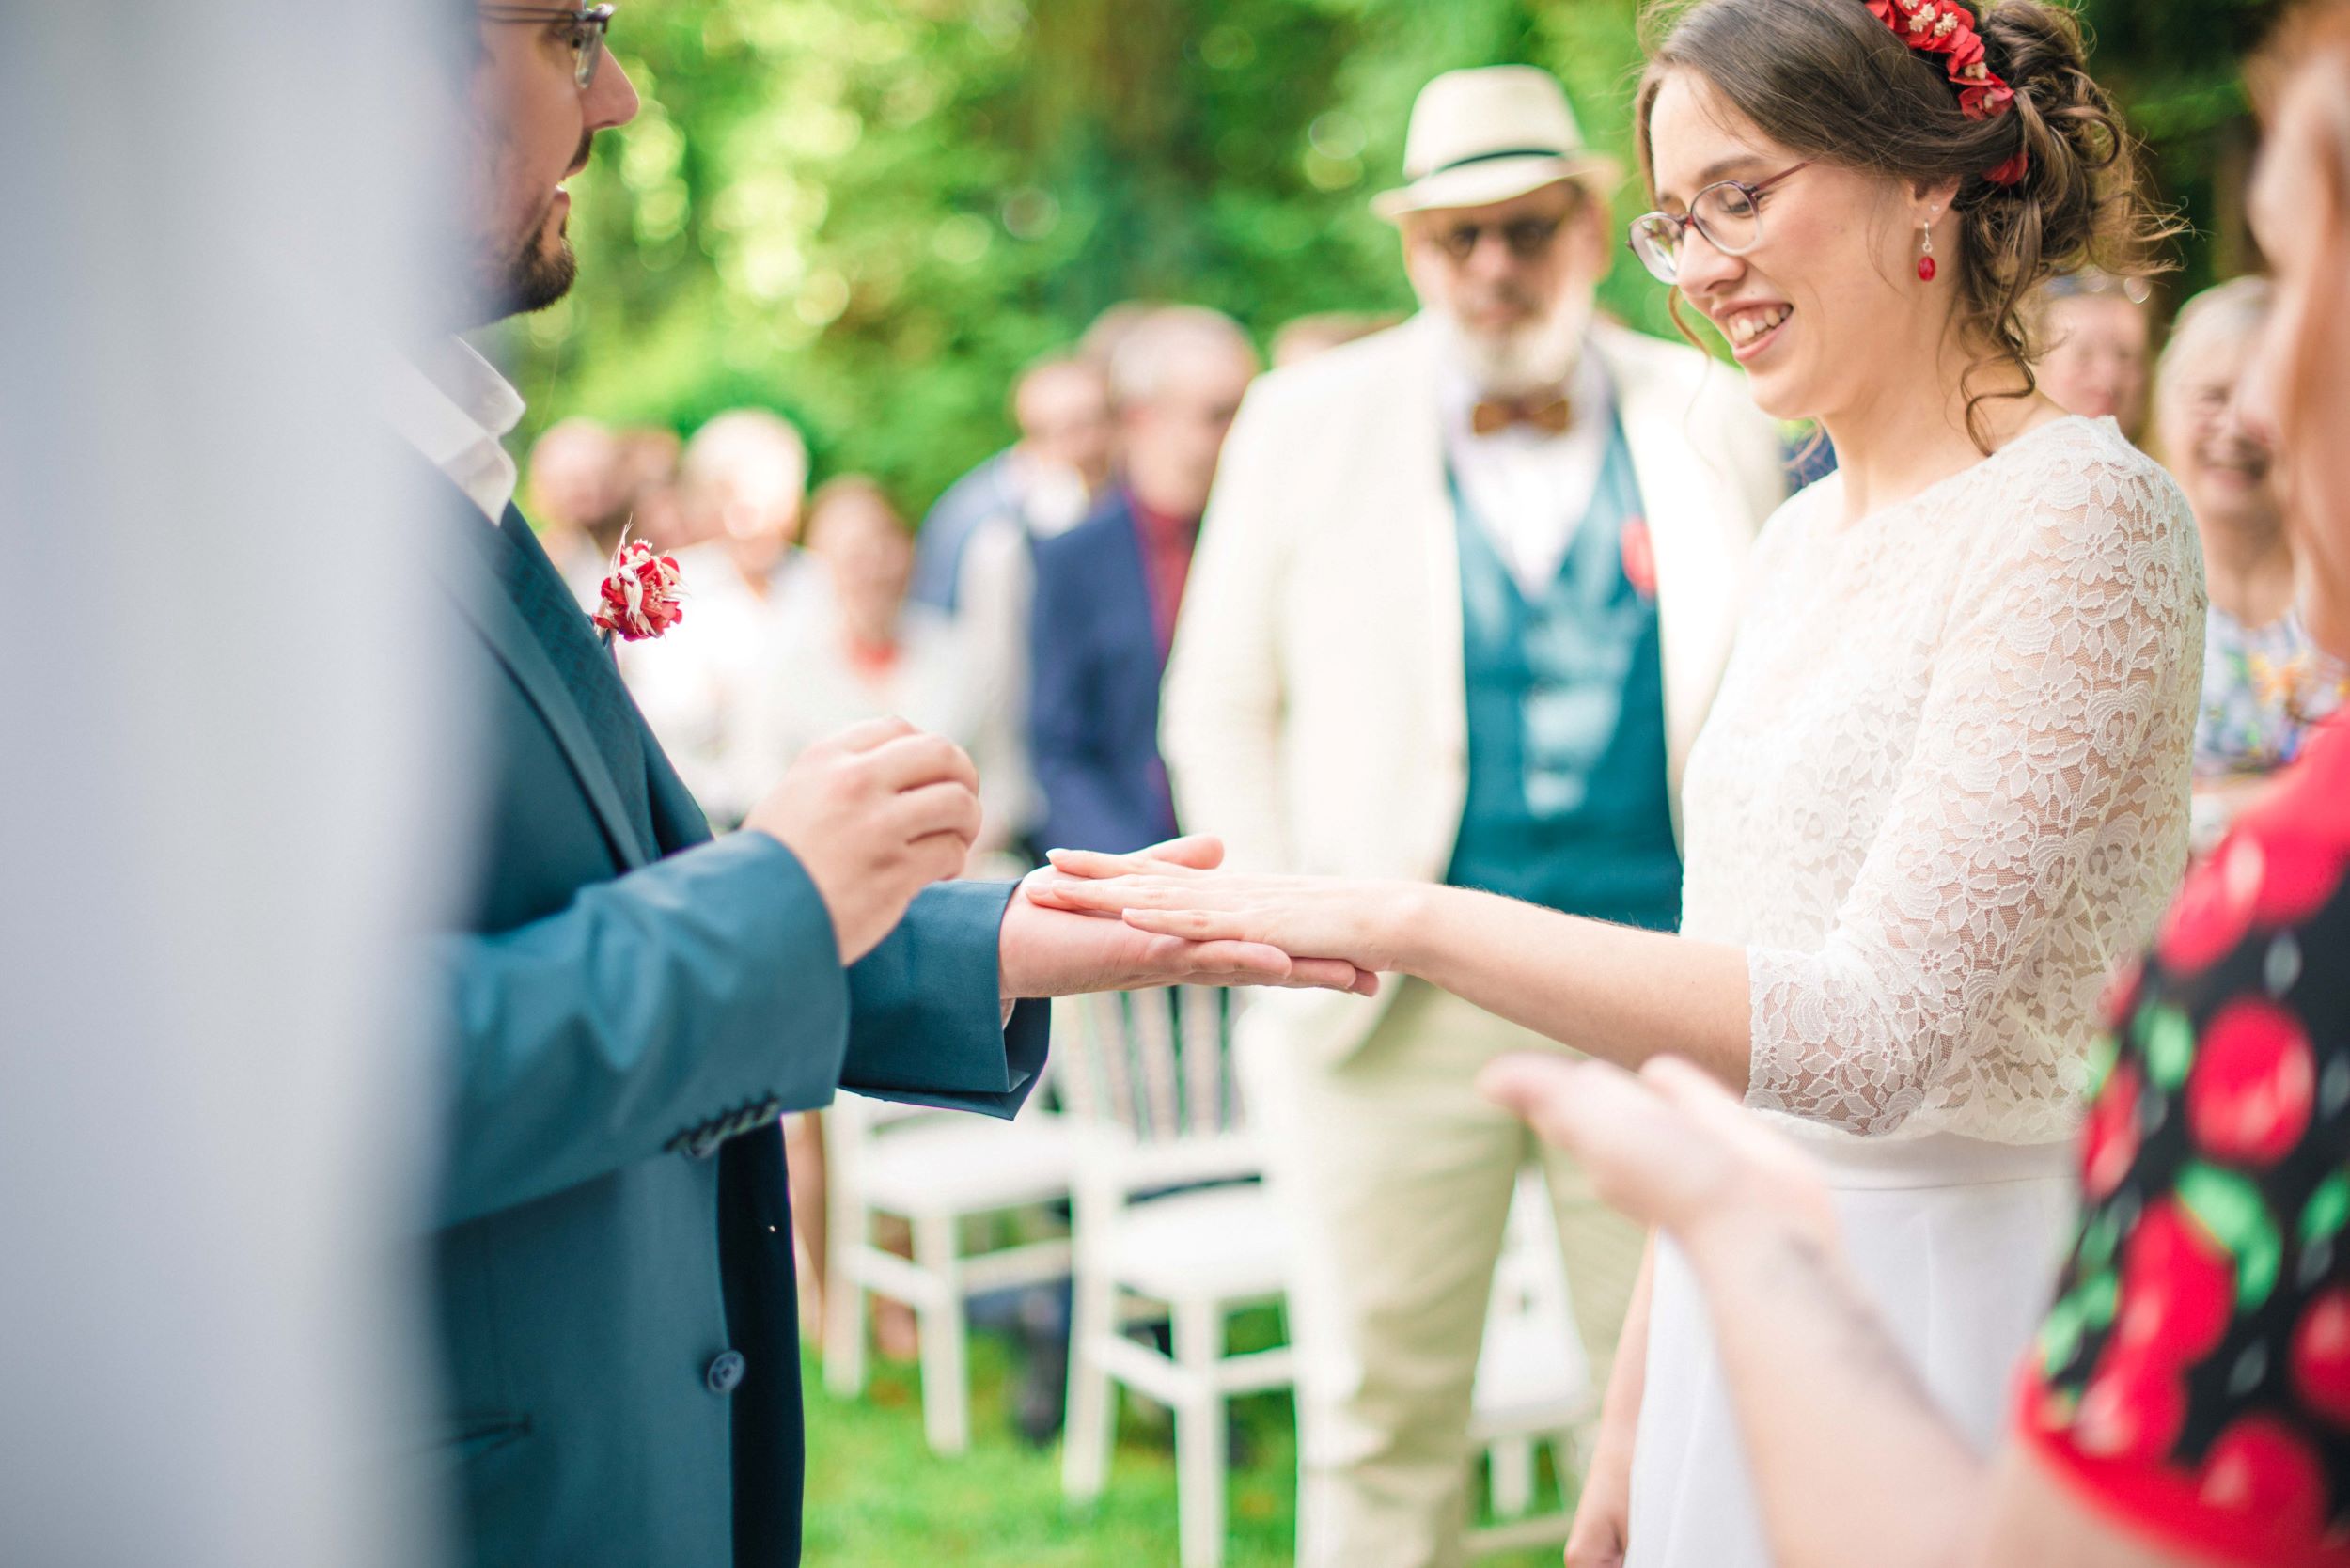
(925, 1023)
(704, 987)
(1220, 729)
(1084, 804)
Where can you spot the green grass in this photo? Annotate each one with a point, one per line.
(877, 1498)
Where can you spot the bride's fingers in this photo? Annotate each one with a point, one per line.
(1172, 858)
(1193, 925)
(1110, 895)
(1197, 851)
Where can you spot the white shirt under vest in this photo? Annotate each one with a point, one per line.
(1528, 489)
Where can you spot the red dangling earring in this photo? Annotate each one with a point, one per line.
(1925, 253)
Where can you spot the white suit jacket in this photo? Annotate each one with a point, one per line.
(1315, 713)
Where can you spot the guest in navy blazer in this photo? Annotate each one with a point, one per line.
(1108, 589)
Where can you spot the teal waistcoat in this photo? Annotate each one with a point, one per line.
(1568, 804)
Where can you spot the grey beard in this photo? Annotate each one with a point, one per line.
(1531, 359)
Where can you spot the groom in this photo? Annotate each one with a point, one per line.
(629, 1005)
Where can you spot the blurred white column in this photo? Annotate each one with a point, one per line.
(226, 776)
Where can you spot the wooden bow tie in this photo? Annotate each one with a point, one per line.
(1550, 412)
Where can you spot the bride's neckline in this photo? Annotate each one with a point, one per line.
(1827, 525)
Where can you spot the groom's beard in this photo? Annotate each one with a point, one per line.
(541, 274)
(527, 273)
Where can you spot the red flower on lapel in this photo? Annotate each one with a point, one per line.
(640, 596)
(1639, 557)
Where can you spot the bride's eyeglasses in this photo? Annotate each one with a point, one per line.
(588, 24)
(1728, 212)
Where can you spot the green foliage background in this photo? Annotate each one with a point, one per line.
(869, 214)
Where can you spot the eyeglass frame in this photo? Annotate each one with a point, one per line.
(591, 26)
(1682, 224)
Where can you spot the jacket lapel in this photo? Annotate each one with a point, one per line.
(470, 576)
(1691, 516)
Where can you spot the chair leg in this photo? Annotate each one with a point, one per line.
(844, 1303)
(946, 1379)
(1512, 1463)
(1200, 1457)
(1091, 1425)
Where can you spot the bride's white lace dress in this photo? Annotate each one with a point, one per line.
(1943, 790)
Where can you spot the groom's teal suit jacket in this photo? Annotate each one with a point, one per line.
(628, 1010)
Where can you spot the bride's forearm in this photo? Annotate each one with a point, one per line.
(1613, 992)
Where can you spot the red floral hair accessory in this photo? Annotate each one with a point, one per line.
(1947, 28)
(640, 596)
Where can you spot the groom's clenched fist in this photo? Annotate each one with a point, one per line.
(875, 815)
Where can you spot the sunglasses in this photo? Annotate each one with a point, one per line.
(1527, 239)
(587, 26)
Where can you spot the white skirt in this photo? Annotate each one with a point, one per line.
(1957, 1241)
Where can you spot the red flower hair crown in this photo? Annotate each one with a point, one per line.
(1947, 28)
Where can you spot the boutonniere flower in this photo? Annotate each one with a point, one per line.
(1639, 557)
(639, 595)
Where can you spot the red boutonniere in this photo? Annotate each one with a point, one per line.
(640, 596)
(1639, 557)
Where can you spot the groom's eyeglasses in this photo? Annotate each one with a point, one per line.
(587, 26)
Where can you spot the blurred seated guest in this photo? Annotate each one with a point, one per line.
(1043, 483)
(579, 492)
(2096, 337)
(1308, 336)
(1107, 590)
(861, 650)
(2187, 1396)
(741, 484)
(2262, 683)
(648, 457)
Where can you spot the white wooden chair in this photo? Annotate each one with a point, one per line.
(1533, 1384)
(1148, 1081)
(935, 1170)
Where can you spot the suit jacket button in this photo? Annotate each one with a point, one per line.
(724, 1374)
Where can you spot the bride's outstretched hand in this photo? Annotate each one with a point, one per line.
(1317, 918)
(1120, 956)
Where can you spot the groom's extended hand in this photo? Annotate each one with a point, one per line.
(875, 815)
(1059, 952)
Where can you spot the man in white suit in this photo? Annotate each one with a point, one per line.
(1462, 599)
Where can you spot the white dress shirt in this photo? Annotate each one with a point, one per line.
(1530, 490)
(450, 404)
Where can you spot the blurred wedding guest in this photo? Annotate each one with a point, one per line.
(864, 651)
(2096, 359)
(1043, 483)
(742, 480)
(2186, 1400)
(1301, 340)
(1108, 589)
(973, 555)
(1462, 603)
(580, 493)
(2264, 680)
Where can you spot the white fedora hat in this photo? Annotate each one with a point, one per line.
(1488, 134)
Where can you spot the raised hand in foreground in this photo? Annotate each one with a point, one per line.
(1051, 948)
(1853, 1464)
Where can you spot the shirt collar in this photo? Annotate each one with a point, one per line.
(452, 406)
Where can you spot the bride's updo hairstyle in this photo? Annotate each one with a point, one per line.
(1830, 81)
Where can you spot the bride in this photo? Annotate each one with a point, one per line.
(1944, 784)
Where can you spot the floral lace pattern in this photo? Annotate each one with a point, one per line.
(1944, 789)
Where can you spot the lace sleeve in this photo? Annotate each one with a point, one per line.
(2066, 638)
